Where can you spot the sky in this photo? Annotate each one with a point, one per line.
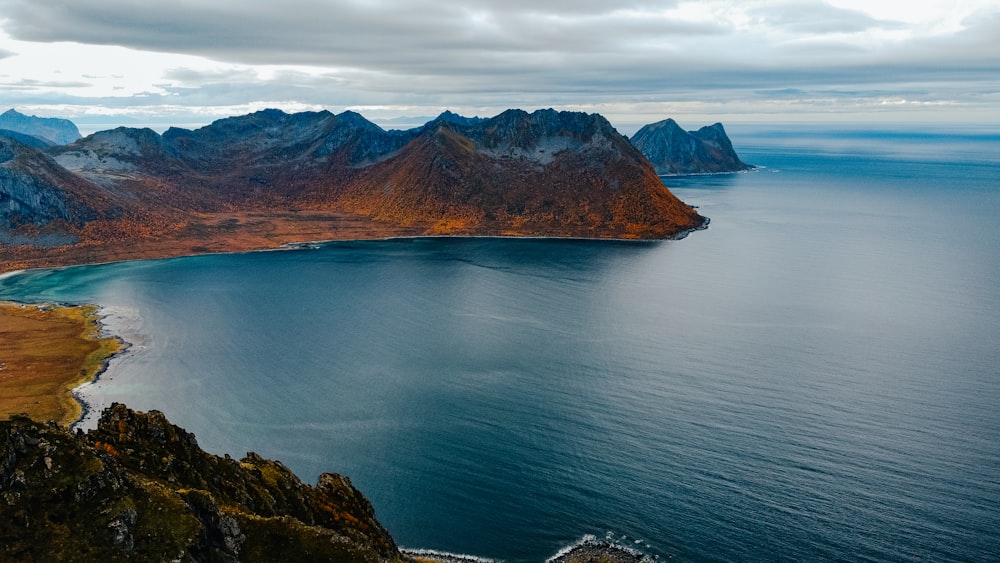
(105, 63)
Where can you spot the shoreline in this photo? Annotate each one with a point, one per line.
(50, 350)
(315, 244)
(752, 168)
(124, 348)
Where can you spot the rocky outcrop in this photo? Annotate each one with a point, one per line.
(138, 488)
(52, 130)
(673, 150)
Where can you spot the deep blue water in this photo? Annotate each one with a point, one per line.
(814, 377)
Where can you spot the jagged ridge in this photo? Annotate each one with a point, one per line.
(672, 150)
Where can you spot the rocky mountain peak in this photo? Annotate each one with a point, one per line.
(355, 119)
(672, 150)
(452, 117)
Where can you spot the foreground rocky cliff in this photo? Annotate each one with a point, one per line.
(140, 489)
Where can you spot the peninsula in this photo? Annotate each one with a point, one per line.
(45, 352)
(673, 151)
(265, 179)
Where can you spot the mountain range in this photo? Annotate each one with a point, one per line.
(268, 178)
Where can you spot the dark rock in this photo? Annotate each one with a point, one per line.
(673, 150)
(596, 551)
(35, 190)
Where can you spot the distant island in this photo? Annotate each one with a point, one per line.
(269, 178)
(672, 150)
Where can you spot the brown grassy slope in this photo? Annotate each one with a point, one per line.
(200, 233)
(445, 180)
(45, 352)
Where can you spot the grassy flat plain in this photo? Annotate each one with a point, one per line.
(45, 352)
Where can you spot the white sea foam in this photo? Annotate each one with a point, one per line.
(608, 541)
(10, 274)
(126, 324)
(446, 557)
(585, 540)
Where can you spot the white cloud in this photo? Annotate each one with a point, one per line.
(484, 55)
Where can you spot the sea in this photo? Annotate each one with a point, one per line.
(815, 377)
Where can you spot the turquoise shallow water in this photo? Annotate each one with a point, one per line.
(813, 377)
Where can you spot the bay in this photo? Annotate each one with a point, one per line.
(815, 376)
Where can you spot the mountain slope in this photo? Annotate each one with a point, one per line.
(673, 150)
(546, 173)
(24, 139)
(41, 201)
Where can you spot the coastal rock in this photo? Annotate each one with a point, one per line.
(672, 150)
(138, 488)
(50, 129)
(593, 550)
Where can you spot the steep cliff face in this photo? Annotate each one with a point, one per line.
(54, 130)
(673, 150)
(36, 193)
(140, 489)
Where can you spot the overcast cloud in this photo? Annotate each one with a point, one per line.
(634, 61)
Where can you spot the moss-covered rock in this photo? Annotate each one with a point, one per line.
(140, 489)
